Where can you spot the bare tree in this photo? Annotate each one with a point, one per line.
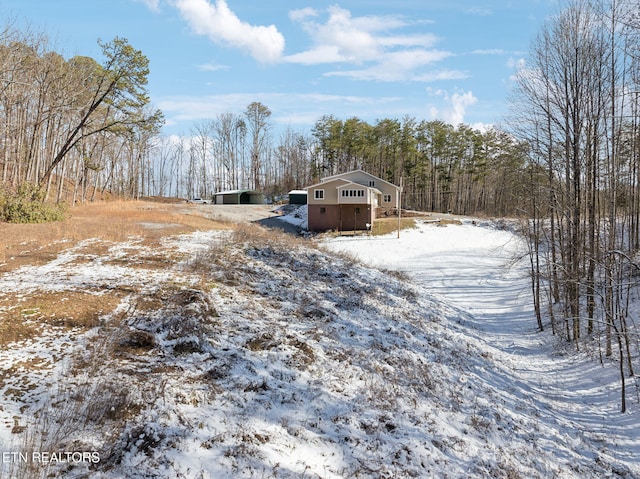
(113, 97)
(575, 93)
(258, 125)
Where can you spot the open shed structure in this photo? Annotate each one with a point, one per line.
(239, 197)
(298, 197)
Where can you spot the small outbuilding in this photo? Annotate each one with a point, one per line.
(298, 197)
(239, 197)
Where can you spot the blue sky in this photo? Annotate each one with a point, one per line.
(450, 60)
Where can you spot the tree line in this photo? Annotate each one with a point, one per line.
(578, 104)
(443, 168)
(68, 124)
(79, 126)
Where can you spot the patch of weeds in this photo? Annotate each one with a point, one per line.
(143, 259)
(252, 235)
(304, 355)
(383, 226)
(262, 342)
(257, 387)
(66, 309)
(175, 313)
(16, 327)
(448, 221)
(479, 423)
(187, 346)
(144, 439)
(136, 341)
(26, 204)
(177, 320)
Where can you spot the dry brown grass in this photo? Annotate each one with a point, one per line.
(253, 234)
(24, 318)
(383, 226)
(116, 221)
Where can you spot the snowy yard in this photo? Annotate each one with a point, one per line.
(484, 271)
(252, 356)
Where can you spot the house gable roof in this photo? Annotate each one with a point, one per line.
(325, 183)
(343, 175)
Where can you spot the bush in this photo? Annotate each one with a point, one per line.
(26, 205)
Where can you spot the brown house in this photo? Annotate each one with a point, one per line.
(349, 201)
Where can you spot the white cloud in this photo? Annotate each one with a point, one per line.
(288, 108)
(221, 25)
(519, 67)
(353, 39)
(367, 43)
(404, 66)
(153, 5)
(318, 55)
(516, 63)
(350, 40)
(302, 14)
(212, 67)
(424, 40)
(455, 106)
(489, 51)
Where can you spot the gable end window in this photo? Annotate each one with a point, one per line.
(318, 194)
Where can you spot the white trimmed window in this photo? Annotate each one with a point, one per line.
(318, 194)
(352, 193)
(386, 198)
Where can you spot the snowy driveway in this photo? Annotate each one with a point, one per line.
(482, 270)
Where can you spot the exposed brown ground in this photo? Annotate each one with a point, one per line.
(116, 221)
(24, 317)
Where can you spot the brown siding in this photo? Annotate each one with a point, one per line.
(351, 220)
(339, 218)
(329, 220)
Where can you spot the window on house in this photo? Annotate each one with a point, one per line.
(357, 210)
(323, 210)
(319, 194)
(352, 193)
(372, 183)
(386, 199)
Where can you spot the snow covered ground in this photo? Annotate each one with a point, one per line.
(482, 269)
(245, 355)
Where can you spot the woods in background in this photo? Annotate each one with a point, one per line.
(74, 122)
(79, 127)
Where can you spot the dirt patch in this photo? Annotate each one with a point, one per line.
(116, 221)
(232, 213)
(22, 318)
